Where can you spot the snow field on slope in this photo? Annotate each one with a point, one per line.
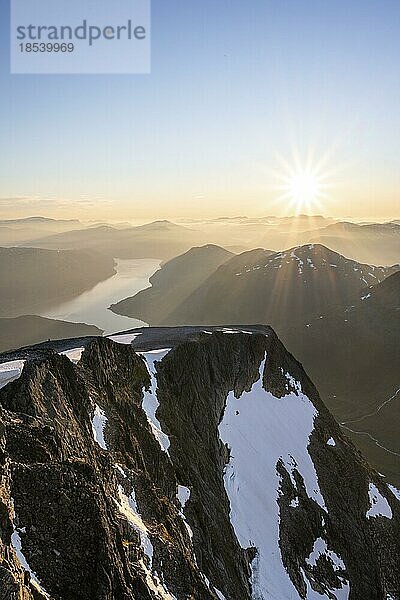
(259, 430)
(150, 403)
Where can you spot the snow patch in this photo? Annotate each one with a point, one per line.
(150, 402)
(183, 496)
(128, 508)
(155, 585)
(394, 491)
(17, 545)
(265, 431)
(301, 263)
(226, 330)
(125, 338)
(311, 264)
(98, 423)
(379, 505)
(74, 355)
(295, 385)
(120, 470)
(321, 549)
(331, 442)
(10, 371)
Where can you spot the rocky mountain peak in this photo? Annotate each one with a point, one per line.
(201, 465)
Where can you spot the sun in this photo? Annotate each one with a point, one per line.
(304, 188)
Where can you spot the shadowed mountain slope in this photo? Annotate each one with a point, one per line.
(27, 330)
(353, 355)
(280, 288)
(33, 279)
(176, 280)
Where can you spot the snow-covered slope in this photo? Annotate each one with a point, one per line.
(261, 430)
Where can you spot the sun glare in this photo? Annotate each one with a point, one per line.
(303, 186)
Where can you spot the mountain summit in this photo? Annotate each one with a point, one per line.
(203, 465)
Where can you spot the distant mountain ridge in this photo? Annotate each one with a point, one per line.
(159, 239)
(24, 230)
(260, 286)
(39, 220)
(372, 243)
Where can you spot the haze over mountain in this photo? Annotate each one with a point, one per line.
(374, 243)
(19, 231)
(159, 239)
(209, 469)
(28, 330)
(33, 279)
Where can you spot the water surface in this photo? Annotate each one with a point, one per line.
(91, 307)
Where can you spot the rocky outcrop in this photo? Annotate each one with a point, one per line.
(112, 489)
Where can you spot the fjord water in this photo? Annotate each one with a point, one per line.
(91, 307)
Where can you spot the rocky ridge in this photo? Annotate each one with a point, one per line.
(116, 471)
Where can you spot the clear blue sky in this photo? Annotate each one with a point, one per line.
(233, 84)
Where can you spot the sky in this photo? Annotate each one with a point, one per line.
(240, 95)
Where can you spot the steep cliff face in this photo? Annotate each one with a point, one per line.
(204, 468)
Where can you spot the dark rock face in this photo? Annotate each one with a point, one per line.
(65, 489)
(89, 498)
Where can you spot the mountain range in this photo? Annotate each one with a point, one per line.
(21, 231)
(258, 286)
(160, 239)
(203, 465)
(374, 243)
